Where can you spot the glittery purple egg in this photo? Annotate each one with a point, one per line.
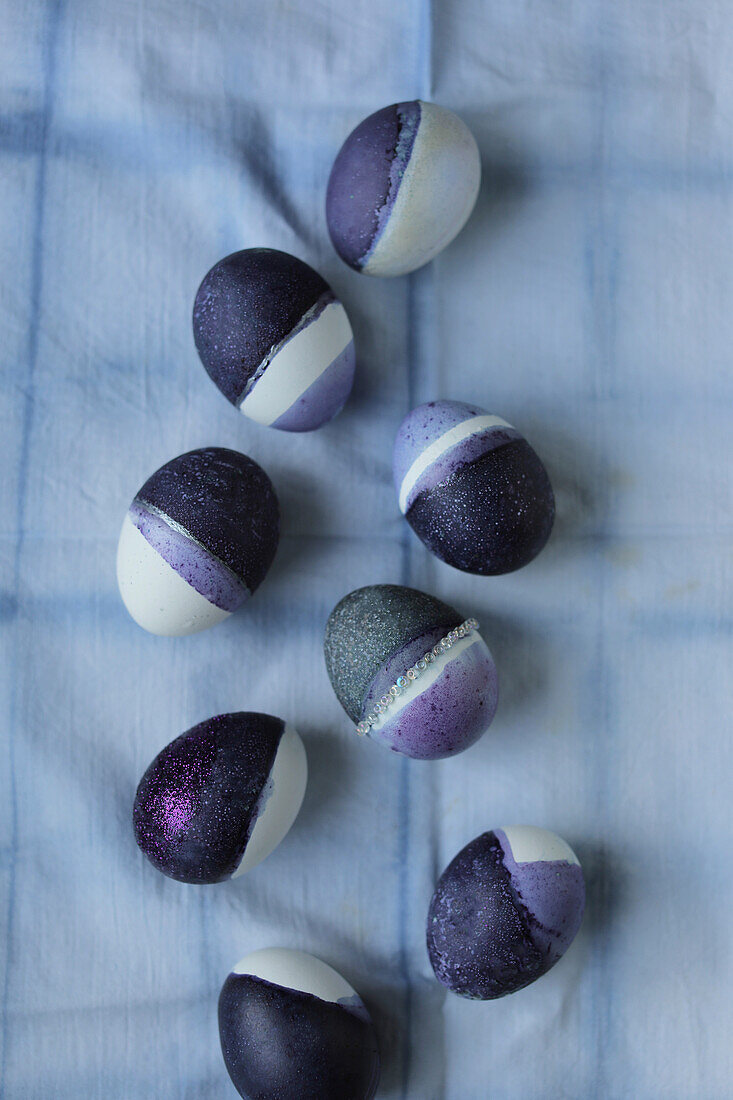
(472, 488)
(402, 186)
(292, 1028)
(504, 911)
(275, 339)
(218, 799)
(197, 541)
(410, 671)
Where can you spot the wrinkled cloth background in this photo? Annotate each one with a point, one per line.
(589, 303)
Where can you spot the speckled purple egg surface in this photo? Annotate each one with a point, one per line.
(402, 186)
(504, 911)
(219, 798)
(197, 540)
(292, 1028)
(410, 671)
(472, 488)
(275, 339)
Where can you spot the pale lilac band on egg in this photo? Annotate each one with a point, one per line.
(186, 556)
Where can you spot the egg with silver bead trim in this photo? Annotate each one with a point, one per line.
(220, 798)
(291, 1027)
(409, 671)
(472, 488)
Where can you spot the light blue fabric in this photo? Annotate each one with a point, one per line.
(589, 303)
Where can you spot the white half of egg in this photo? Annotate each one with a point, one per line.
(287, 782)
(157, 598)
(299, 362)
(436, 195)
(530, 844)
(296, 970)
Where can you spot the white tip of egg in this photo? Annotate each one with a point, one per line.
(287, 783)
(530, 844)
(296, 970)
(157, 598)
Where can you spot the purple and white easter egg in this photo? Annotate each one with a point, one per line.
(217, 800)
(504, 911)
(472, 488)
(275, 339)
(402, 186)
(410, 671)
(292, 1027)
(197, 541)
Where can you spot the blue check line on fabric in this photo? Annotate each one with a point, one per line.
(53, 25)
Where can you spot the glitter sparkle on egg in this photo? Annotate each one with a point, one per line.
(275, 339)
(402, 186)
(292, 1027)
(472, 488)
(216, 801)
(410, 671)
(197, 541)
(504, 911)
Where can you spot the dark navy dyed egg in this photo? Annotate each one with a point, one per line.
(217, 800)
(292, 1028)
(504, 911)
(275, 339)
(410, 671)
(197, 541)
(472, 488)
(402, 186)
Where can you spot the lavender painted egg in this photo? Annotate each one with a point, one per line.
(291, 1028)
(275, 339)
(504, 911)
(197, 541)
(217, 800)
(472, 488)
(402, 187)
(409, 671)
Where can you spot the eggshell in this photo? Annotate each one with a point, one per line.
(275, 339)
(197, 541)
(218, 799)
(472, 488)
(504, 911)
(402, 187)
(291, 1026)
(374, 635)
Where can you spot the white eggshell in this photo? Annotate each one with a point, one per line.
(296, 970)
(531, 844)
(437, 193)
(157, 598)
(288, 779)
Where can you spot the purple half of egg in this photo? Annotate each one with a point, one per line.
(214, 791)
(275, 339)
(504, 911)
(472, 488)
(374, 635)
(291, 1027)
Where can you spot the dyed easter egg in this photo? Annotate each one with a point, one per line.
(410, 671)
(197, 540)
(275, 339)
(504, 911)
(402, 186)
(291, 1027)
(217, 800)
(472, 488)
